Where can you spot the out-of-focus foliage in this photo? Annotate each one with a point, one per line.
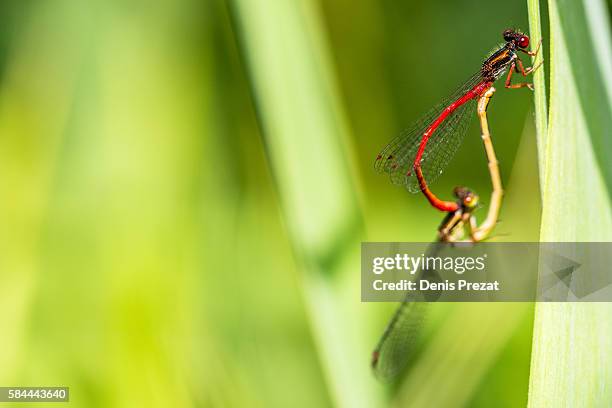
(147, 256)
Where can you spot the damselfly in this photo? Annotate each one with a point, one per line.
(419, 155)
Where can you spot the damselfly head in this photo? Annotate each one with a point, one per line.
(467, 198)
(514, 36)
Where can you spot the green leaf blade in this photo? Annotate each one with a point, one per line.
(572, 344)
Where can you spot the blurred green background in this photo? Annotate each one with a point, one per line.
(155, 246)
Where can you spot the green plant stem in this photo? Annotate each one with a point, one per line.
(541, 114)
(305, 133)
(572, 342)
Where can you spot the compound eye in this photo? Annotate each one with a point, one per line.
(523, 41)
(470, 200)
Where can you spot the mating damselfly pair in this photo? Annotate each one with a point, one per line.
(418, 156)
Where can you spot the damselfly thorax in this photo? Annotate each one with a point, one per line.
(495, 66)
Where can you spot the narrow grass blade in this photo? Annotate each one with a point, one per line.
(541, 113)
(305, 133)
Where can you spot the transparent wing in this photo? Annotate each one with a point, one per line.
(397, 344)
(397, 158)
(395, 347)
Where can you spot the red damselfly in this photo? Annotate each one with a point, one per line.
(419, 155)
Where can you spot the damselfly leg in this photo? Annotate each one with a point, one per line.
(518, 64)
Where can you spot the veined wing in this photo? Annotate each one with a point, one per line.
(395, 347)
(397, 344)
(397, 158)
